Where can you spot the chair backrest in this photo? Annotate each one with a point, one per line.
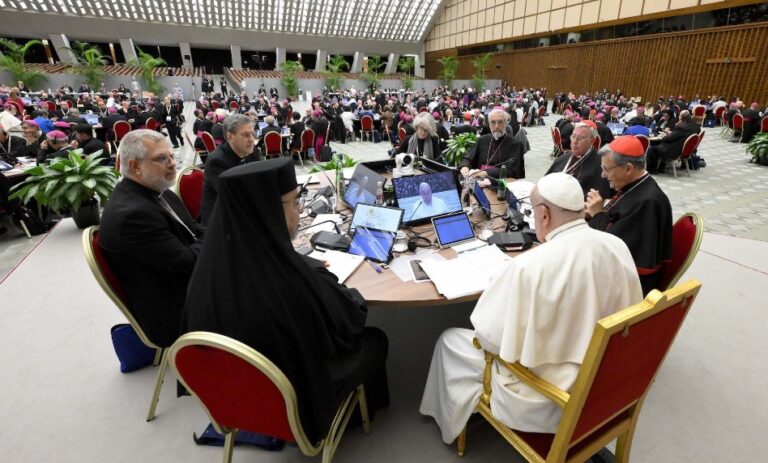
(542, 111)
(764, 124)
(208, 141)
(307, 139)
(557, 139)
(701, 137)
(738, 121)
(699, 111)
(686, 240)
(689, 146)
(568, 107)
(51, 107)
(596, 143)
(233, 105)
(190, 188)
(623, 357)
(719, 112)
(401, 134)
(644, 141)
(69, 103)
(151, 123)
(273, 143)
(239, 387)
(366, 122)
(121, 129)
(215, 104)
(423, 109)
(108, 281)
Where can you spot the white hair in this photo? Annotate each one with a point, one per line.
(132, 146)
(427, 122)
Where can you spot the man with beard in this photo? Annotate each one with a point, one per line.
(148, 238)
(582, 162)
(496, 149)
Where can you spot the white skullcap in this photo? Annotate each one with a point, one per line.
(562, 190)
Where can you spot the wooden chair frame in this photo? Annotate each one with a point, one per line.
(328, 445)
(161, 354)
(621, 428)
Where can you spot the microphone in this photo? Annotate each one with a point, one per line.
(415, 209)
(335, 225)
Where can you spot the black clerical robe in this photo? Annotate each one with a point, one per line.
(641, 215)
(490, 155)
(221, 159)
(586, 170)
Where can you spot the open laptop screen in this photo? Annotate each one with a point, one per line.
(453, 229)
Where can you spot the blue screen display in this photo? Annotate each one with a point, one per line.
(426, 196)
(482, 199)
(373, 244)
(453, 228)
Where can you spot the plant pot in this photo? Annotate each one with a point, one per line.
(87, 215)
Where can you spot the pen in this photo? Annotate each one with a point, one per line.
(375, 267)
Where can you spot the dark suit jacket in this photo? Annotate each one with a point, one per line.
(151, 254)
(221, 159)
(672, 145)
(296, 130)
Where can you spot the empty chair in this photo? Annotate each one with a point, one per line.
(190, 188)
(366, 126)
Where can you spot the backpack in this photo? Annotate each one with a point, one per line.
(30, 221)
(326, 154)
(376, 136)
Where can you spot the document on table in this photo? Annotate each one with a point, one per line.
(468, 274)
(342, 264)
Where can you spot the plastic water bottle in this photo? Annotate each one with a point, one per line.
(390, 195)
(501, 190)
(339, 175)
(380, 194)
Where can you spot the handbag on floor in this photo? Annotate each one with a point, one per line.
(211, 437)
(131, 352)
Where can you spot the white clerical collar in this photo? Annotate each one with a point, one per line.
(574, 224)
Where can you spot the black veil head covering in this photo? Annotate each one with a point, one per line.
(250, 284)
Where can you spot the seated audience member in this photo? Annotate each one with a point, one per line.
(671, 145)
(637, 128)
(582, 161)
(239, 132)
(606, 136)
(271, 127)
(74, 117)
(9, 146)
(148, 238)
(519, 318)
(297, 127)
(45, 124)
(566, 128)
(500, 147)
(284, 305)
(33, 138)
(109, 121)
(639, 213)
(84, 139)
(640, 118)
(751, 124)
(56, 145)
(8, 117)
(348, 119)
(424, 143)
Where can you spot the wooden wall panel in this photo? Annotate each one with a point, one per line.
(648, 66)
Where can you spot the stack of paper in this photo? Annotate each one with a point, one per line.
(470, 273)
(341, 264)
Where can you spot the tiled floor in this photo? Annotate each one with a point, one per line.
(730, 193)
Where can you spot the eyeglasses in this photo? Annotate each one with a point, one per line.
(166, 159)
(608, 169)
(574, 137)
(297, 203)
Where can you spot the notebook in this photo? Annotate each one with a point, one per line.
(341, 264)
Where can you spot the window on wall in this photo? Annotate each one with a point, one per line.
(678, 23)
(748, 14)
(704, 20)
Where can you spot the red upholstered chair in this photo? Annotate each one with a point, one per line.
(108, 281)
(689, 147)
(151, 123)
(686, 240)
(208, 142)
(401, 134)
(764, 124)
(190, 188)
(423, 109)
(719, 113)
(119, 130)
(215, 105)
(701, 137)
(241, 389)
(69, 103)
(51, 107)
(737, 125)
(597, 143)
(699, 111)
(233, 106)
(621, 362)
(273, 144)
(307, 142)
(557, 139)
(724, 124)
(644, 141)
(542, 111)
(366, 126)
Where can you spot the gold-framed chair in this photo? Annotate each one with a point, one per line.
(108, 281)
(225, 375)
(687, 233)
(605, 401)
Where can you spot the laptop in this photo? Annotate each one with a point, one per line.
(482, 199)
(378, 217)
(92, 119)
(362, 186)
(453, 229)
(373, 244)
(617, 128)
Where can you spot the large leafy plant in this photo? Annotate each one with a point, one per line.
(405, 64)
(90, 59)
(480, 63)
(758, 148)
(147, 64)
(448, 72)
(68, 182)
(335, 66)
(289, 80)
(12, 61)
(346, 161)
(371, 76)
(459, 146)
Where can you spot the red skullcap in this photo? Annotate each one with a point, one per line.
(627, 145)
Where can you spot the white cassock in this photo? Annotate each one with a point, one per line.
(541, 310)
(422, 209)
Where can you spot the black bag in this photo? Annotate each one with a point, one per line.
(31, 221)
(376, 136)
(326, 154)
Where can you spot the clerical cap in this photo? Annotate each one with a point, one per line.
(31, 122)
(627, 145)
(589, 123)
(56, 135)
(61, 125)
(273, 173)
(562, 190)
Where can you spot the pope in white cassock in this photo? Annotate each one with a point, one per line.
(541, 311)
(428, 205)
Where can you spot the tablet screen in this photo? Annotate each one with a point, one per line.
(374, 244)
(453, 229)
(378, 217)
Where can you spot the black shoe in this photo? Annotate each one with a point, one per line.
(175, 147)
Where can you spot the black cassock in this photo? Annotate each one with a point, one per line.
(250, 284)
(587, 171)
(642, 218)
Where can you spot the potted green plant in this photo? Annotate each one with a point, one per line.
(459, 146)
(371, 76)
(480, 62)
(289, 80)
(448, 72)
(336, 65)
(758, 148)
(12, 61)
(70, 183)
(405, 64)
(147, 64)
(331, 165)
(90, 60)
